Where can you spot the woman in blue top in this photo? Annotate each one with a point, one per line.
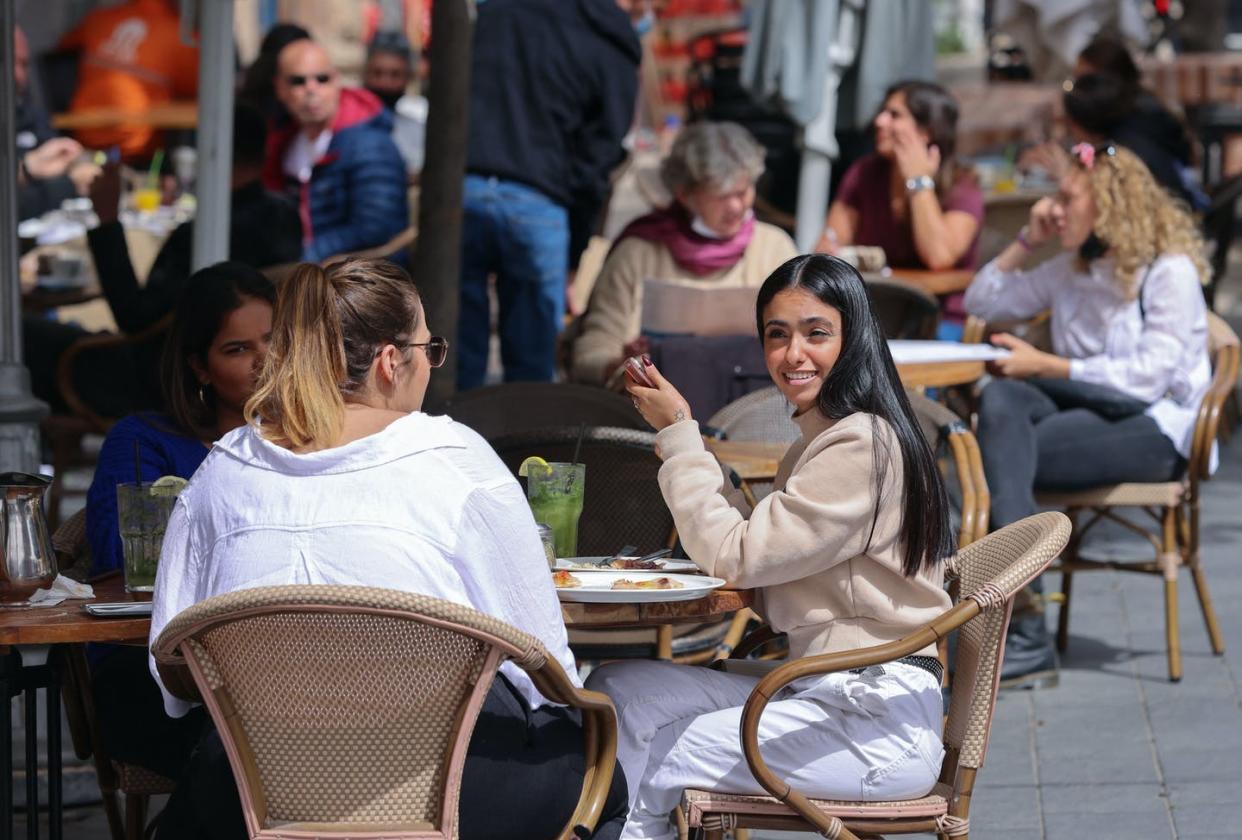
(217, 342)
(215, 348)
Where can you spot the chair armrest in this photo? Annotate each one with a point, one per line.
(828, 663)
(174, 670)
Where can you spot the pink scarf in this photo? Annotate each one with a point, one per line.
(692, 251)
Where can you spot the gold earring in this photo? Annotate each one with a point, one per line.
(201, 396)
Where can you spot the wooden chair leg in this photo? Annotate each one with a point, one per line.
(112, 810)
(1067, 578)
(135, 816)
(1170, 561)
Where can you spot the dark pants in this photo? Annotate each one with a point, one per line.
(521, 781)
(522, 236)
(1030, 443)
(132, 723)
(105, 379)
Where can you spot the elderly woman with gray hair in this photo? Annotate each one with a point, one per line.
(707, 237)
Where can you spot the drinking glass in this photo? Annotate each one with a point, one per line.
(142, 514)
(555, 496)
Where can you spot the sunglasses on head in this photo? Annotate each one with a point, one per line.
(298, 81)
(436, 349)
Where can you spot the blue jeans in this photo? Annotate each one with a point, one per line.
(521, 236)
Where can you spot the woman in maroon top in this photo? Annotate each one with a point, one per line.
(911, 197)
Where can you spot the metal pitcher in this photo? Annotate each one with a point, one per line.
(27, 561)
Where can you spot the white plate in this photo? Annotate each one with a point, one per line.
(669, 565)
(597, 589)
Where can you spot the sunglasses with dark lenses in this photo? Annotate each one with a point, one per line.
(298, 81)
(436, 349)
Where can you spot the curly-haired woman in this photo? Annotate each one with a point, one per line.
(1116, 400)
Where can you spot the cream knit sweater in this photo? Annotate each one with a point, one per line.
(805, 546)
(614, 313)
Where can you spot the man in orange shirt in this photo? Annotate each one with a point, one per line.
(132, 58)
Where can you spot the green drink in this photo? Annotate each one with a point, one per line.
(142, 515)
(555, 495)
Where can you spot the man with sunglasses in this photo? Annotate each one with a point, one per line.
(335, 156)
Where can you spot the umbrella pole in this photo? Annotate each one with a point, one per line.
(19, 410)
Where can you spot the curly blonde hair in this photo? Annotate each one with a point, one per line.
(1137, 218)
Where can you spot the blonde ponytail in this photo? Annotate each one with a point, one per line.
(298, 402)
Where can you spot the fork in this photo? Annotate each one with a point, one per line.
(626, 551)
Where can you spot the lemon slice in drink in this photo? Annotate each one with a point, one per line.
(532, 461)
(168, 485)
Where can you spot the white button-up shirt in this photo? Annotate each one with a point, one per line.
(423, 506)
(1158, 355)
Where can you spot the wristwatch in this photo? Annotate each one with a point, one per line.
(922, 182)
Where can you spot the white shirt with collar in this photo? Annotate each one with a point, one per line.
(423, 506)
(1157, 354)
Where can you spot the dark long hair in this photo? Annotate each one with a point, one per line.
(864, 379)
(935, 110)
(1098, 102)
(210, 295)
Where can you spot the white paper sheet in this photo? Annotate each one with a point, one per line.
(913, 352)
(679, 309)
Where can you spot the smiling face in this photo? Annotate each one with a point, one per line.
(802, 339)
(235, 355)
(895, 116)
(724, 210)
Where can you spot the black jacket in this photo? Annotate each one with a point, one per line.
(552, 91)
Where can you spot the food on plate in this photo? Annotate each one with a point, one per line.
(562, 579)
(651, 583)
(631, 563)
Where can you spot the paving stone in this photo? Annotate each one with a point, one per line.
(1146, 799)
(995, 808)
(1215, 819)
(1106, 827)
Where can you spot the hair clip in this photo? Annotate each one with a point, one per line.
(1086, 153)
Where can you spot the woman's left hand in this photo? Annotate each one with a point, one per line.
(1025, 360)
(660, 405)
(915, 158)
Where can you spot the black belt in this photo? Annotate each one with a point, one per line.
(930, 664)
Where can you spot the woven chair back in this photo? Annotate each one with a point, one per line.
(516, 407)
(763, 415)
(904, 310)
(949, 435)
(349, 708)
(622, 503)
(992, 570)
(1224, 353)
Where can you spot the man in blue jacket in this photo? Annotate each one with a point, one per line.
(336, 157)
(552, 92)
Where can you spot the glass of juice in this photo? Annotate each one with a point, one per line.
(142, 514)
(555, 495)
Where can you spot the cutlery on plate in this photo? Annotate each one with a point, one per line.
(626, 551)
(655, 555)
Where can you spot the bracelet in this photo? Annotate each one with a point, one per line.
(1023, 241)
(922, 182)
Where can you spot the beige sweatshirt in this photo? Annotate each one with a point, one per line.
(614, 313)
(805, 545)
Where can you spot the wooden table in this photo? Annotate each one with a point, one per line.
(180, 114)
(64, 623)
(752, 460)
(717, 604)
(939, 374)
(944, 282)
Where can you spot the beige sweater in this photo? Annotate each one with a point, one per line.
(805, 545)
(614, 314)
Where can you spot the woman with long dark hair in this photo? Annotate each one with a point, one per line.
(211, 359)
(845, 552)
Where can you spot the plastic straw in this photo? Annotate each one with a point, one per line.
(153, 174)
(137, 464)
(578, 445)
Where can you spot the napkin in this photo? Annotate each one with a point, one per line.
(61, 589)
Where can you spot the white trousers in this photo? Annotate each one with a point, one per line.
(873, 736)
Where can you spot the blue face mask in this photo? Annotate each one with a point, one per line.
(643, 25)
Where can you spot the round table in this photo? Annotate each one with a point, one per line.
(715, 605)
(939, 374)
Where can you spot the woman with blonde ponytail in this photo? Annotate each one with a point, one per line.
(339, 478)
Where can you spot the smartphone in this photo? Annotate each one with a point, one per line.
(637, 371)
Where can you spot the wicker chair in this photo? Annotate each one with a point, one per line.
(903, 309)
(763, 415)
(115, 778)
(1173, 505)
(346, 711)
(944, 430)
(516, 407)
(991, 571)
